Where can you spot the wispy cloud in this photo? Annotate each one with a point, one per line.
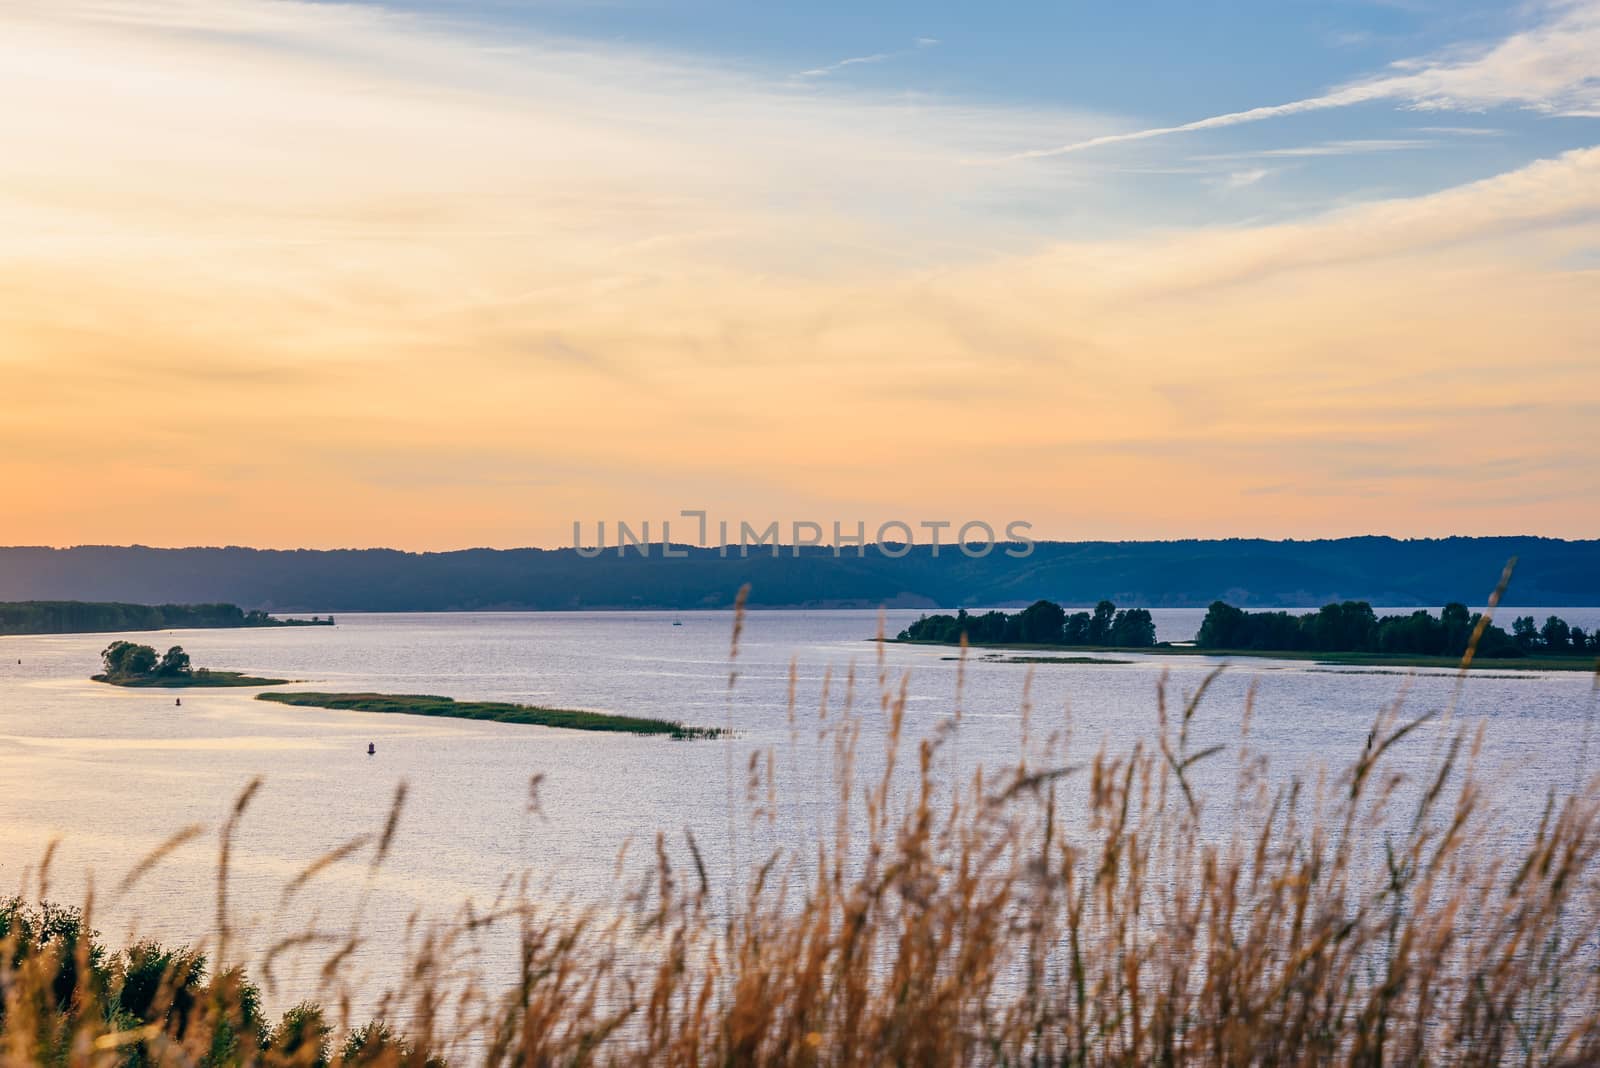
(875, 57)
(219, 16)
(1349, 147)
(1551, 68)
(1350, 38)
(1463, 131)
(1341, 98)
(1243, 179)
(851, 61)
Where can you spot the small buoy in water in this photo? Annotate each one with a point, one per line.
(372, 748)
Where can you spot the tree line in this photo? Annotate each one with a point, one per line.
(94, 617)
(1340, 627)
(1041, 623)
(1353, 627)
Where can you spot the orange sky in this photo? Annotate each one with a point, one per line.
(259, 297)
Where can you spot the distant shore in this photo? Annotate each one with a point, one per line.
(114, 617)
(1182, 573)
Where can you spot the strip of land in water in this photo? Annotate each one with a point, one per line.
(109, 617)
(1521, 663)
(993, 659)
(493, 711)
(201, 679)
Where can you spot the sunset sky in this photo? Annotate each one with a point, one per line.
(447, 274)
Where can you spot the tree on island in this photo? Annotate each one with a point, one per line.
(1041, 623)
(1105, 613)
(127, 660)
(1556, 634)
(174, 662)
(1525, 632)
(1133, 628)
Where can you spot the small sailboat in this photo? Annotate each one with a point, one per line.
(372, 747)
(677, 622)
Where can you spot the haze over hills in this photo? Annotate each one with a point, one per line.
(1249, 572)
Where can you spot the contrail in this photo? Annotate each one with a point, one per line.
(1356, 94)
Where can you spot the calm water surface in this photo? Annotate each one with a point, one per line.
(113, 772)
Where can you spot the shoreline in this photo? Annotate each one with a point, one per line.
(210, 680)
(278, 625)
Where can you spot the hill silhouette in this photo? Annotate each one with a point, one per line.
(1245, 572)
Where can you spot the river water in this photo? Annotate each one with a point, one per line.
(112, 773)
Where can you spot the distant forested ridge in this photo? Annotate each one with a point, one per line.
(1251, 573)
(1041, 623)
(86, 617)
(1353, 627)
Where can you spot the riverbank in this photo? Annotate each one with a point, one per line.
(111, 617)
(493, 711)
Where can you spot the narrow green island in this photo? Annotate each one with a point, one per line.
(1053, 660)
(128, 664)
(96, 617)
(1347, 633)
(494, 711)
(995, 658)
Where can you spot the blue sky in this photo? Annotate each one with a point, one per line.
(1151, 58)
(1158, 63)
